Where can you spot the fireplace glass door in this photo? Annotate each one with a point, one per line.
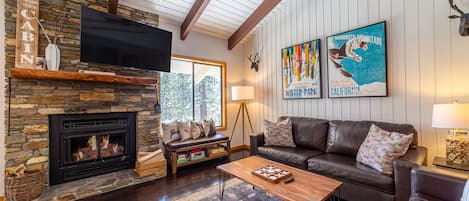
(111, 145)
(82, 149)
(86, 147)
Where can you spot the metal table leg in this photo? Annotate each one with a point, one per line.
(335, 196)
(338, 194)
(221, 184)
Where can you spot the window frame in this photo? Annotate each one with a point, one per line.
(222, 65)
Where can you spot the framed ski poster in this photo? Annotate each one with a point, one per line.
(357, 62)
(301, 71)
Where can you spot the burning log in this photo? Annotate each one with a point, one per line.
(85, 154)
(112, 150)
(92, 142)
(104, 142)
(90, 151)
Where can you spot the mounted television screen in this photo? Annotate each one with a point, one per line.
(108, 39)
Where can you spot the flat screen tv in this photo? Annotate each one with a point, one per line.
(109, 39)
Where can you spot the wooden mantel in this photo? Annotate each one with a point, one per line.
(67, 75)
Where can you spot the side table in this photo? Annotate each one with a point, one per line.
(441, 162)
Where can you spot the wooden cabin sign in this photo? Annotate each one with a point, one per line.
(27, 33)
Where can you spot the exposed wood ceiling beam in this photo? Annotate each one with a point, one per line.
(112, 6)
(192, 17)
(257, 16)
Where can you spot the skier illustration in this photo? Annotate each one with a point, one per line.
(348, 50)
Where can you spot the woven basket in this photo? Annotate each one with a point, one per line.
(24, 188)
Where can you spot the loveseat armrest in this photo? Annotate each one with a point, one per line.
(402, 168)
(256, 140)
(438, 183)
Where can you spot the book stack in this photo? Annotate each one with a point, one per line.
(197, 154)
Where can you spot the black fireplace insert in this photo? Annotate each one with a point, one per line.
(85, 145)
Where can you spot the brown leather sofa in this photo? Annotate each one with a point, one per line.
(432, 184)
(329, 148)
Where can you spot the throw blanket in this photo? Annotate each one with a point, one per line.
(465, 193)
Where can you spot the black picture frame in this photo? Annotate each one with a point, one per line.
(308, 84)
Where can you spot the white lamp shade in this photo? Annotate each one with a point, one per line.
(242, 93)
(454, 115)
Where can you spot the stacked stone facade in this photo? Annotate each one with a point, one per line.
(30, 101)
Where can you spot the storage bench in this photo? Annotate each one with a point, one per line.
(172, 150)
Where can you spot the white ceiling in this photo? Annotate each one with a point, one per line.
(221, 17)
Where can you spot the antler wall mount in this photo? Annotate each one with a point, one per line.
(254, 59)
(464, 17)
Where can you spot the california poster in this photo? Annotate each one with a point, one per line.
(301, 71)
(357, 62)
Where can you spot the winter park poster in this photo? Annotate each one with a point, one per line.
(301, 71)
(357, 62)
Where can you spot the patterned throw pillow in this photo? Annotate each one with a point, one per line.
(209, 128)
(197, 130)
(278, 134)
(170, 131)
(185, 130)
(381, 147)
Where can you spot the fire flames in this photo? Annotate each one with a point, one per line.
(90, 151)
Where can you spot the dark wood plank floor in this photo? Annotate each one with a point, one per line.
(188, 180)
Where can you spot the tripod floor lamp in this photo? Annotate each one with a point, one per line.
(242, 94)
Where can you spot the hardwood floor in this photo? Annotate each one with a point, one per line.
(188, 180)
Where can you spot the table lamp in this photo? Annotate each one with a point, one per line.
(454, 116)
(242, 94)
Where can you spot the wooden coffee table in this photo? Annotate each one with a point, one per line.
(306, 186)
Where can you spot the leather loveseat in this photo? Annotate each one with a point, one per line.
(329, 148)
(432, 184)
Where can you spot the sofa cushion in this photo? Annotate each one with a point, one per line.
(345, 137)
(296, 157)
(170, 131)
(209, 128)
(348, 169)
(184, 128)
(197, 129)
(278, 133)
(309, 132)
(381, 147)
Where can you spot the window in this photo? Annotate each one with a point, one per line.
(194, 90)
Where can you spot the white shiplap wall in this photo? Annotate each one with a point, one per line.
(428, 62)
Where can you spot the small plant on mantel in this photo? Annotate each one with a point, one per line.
(52, 52)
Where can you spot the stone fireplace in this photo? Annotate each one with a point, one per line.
(31, 102)
(87, 145)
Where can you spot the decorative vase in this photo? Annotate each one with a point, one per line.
(53, 57)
